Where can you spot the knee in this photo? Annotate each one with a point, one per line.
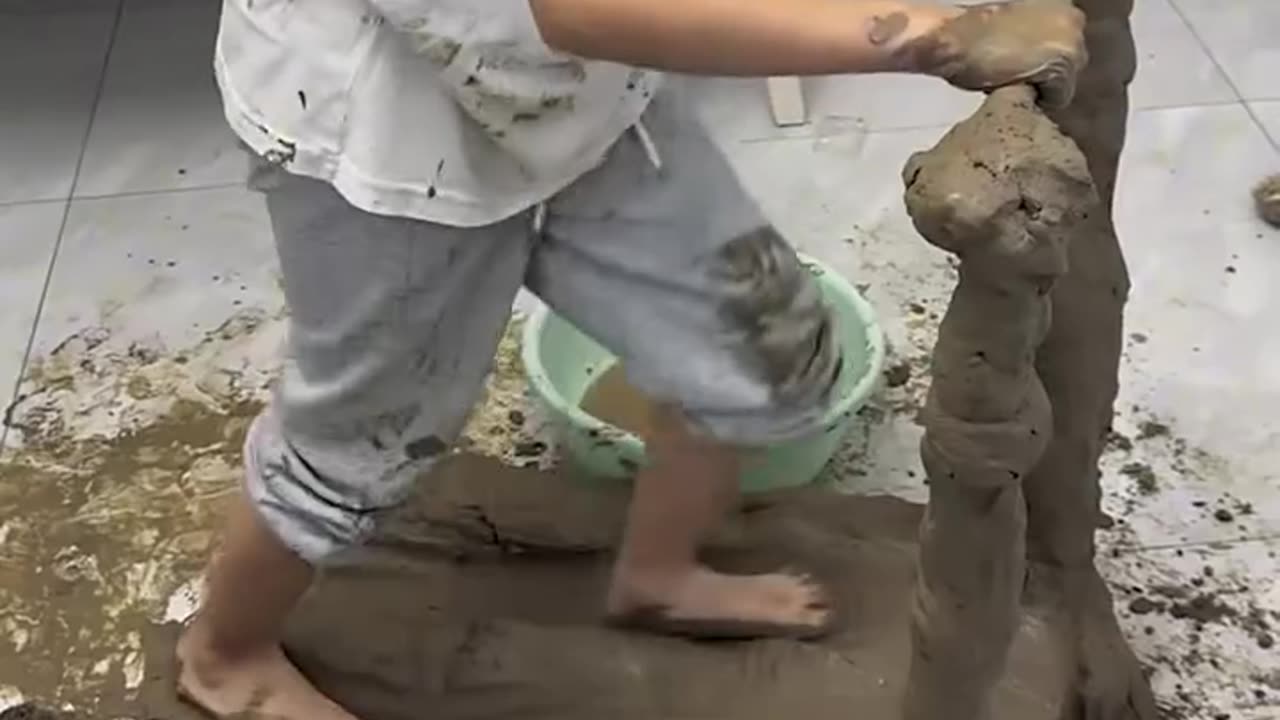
(778, 340)
(773, 303)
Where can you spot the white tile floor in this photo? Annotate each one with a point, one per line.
(49, 90)
(121, 207)
(28, 234)
(1268, 113)
(143, 140)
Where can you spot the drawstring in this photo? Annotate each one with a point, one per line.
(646, 141)
(650, 152)
(539, 218)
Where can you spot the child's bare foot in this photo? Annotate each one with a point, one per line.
(261, 685)
(707, 604)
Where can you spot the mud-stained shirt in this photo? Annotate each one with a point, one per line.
(452, 111)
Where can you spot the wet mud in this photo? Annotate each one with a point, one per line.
(112, 495)
(112, 503)
(1006, 192)
(482, 598)
(1266, 197)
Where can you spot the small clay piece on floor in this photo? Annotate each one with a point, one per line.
(1143, 476)
(1152, 429)
(1144, 606)
(1203, 608)
(1267, 198)
(1119, 441)
(898, 375)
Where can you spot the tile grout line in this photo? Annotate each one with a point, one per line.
(12, 402)
(127, 194)
(1248, 108)
(1187, 106)
(1274, 140)
(27, 203)
(1265, 539)
(165, 191)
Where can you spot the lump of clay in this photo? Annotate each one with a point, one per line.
(1267, 196)
(1006, 166)
(1008, 193)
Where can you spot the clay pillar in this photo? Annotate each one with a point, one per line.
(1079, 365)
(1080, 359)
(1267, 198)
(1006, 192)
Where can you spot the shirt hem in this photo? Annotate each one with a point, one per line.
(437, 204)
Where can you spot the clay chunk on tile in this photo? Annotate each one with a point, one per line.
(1267, 196)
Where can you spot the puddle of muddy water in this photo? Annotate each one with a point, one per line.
(112, 501)
(126, 457)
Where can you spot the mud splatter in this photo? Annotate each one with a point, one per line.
(1119, 442)
(1202, 608)
(111, 503)
(1143, 476)
(440, 50)
(493, 429)
(887, 28)
(898, 375)
(1152, 429)
(113, 499)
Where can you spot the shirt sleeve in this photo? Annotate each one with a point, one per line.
(439, 28)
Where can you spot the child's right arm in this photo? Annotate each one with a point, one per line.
(983, 47)
(979, 48)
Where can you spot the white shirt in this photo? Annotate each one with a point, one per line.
(451, 111)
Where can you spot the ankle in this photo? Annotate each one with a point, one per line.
(201, 648)
(645, 582)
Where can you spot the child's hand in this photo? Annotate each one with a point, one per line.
(1038, 42)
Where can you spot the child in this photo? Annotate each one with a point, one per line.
(424, 159)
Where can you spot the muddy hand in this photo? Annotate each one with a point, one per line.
(1038, 42)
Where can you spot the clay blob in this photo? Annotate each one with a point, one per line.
(1266, 197)
(1006, 192)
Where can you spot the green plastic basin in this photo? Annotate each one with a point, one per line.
(561, 363)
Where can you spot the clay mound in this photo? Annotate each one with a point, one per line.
(481, 601)
(1267, 197)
